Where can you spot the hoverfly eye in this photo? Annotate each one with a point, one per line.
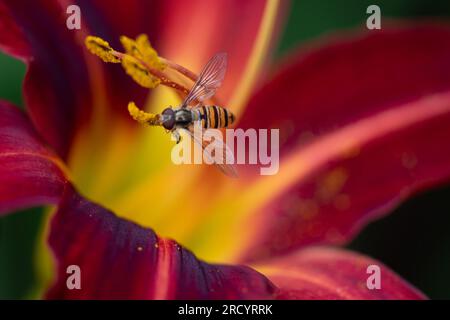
(168, 118)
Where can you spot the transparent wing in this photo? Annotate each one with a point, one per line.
(227, 155)
(209, 80)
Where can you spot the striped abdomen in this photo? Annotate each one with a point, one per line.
(213, 117)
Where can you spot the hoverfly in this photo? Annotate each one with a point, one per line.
(185, 116)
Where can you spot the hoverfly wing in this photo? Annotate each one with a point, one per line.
(227, 155)
(209, 80)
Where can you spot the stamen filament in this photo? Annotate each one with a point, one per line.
(184, 71)
(187, 73)
(156, 73)
(166, 81)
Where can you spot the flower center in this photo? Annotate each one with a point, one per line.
(132, 175)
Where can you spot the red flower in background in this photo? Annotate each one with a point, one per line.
(358, 118)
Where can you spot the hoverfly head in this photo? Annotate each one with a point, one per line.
(168, 118)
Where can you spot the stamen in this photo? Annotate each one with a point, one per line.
(141, 62)
(139, 72)
(143, 117)
(101, 48)
(184, 71)
(142, 50)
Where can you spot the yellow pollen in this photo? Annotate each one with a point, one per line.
(139, 72)
(142, 50)
(101, 48)
(143, 117)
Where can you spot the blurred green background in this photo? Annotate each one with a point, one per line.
(414, 240)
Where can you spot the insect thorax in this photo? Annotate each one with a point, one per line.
(183, 117)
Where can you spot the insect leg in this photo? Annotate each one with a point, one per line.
(176, 135)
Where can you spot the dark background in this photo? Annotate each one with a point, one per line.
(414, 240)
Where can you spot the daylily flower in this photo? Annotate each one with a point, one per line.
(362, 122)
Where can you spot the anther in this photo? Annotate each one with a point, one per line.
(101, 48)
(143, 117)
(142, 50)
(135, 69)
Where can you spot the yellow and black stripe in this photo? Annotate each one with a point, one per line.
(215, 117)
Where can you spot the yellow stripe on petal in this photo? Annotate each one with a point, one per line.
(93, 140)
(257, 57)
(43, 262)
(132, 155)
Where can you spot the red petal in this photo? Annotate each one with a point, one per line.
(12, 41)
(30, 175)
(119, 259)
(325, 273)
(376, 112)
(64, 83)
(56, 87)
(327, 87)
